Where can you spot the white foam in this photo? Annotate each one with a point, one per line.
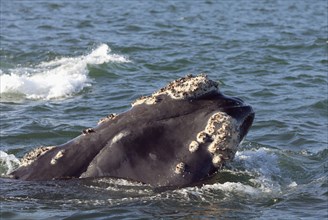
(263, 164)
(8, 163)
(234, 187)
(259, 164)
(58, 78)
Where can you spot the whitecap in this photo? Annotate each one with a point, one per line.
(59, 78)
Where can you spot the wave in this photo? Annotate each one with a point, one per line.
(59, 78)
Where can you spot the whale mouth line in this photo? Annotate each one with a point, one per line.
(245, 124)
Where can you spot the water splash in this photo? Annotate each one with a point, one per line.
(260, 165)
(263, 164)
(59, 78)
(8, 163)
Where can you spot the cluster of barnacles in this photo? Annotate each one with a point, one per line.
(221, 137)
(107, 118)
(59, 155)
(221, 133)
(34, 154)
(188, 87)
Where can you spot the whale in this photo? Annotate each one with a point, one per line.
(179, 136)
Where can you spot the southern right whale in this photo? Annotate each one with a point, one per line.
(178, 136)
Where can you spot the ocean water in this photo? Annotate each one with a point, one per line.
(66, 64)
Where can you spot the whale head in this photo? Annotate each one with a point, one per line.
(180, 135)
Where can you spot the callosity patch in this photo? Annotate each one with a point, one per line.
(31, 156)
(222, 137)
(188, 87)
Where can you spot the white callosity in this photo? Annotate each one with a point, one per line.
(193, 146)
(224, 131)
(188, 87)
(59, 155)
(221, 132)
(203, 137)
(180, 168)
(107, 118)
(149, 100)
(34, 154)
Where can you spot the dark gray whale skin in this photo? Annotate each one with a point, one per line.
(144, 144)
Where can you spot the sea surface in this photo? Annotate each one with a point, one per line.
(66, 64)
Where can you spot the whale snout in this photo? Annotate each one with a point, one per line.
(245, 121)
(241, 112)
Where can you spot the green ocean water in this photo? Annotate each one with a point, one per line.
(66, 64)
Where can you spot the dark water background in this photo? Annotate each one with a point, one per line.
(66, 64)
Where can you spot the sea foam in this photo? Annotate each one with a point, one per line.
(59, 78)
(261, 164)
(8, 163)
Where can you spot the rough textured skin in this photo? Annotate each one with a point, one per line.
(33, 155)
(178, 136)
